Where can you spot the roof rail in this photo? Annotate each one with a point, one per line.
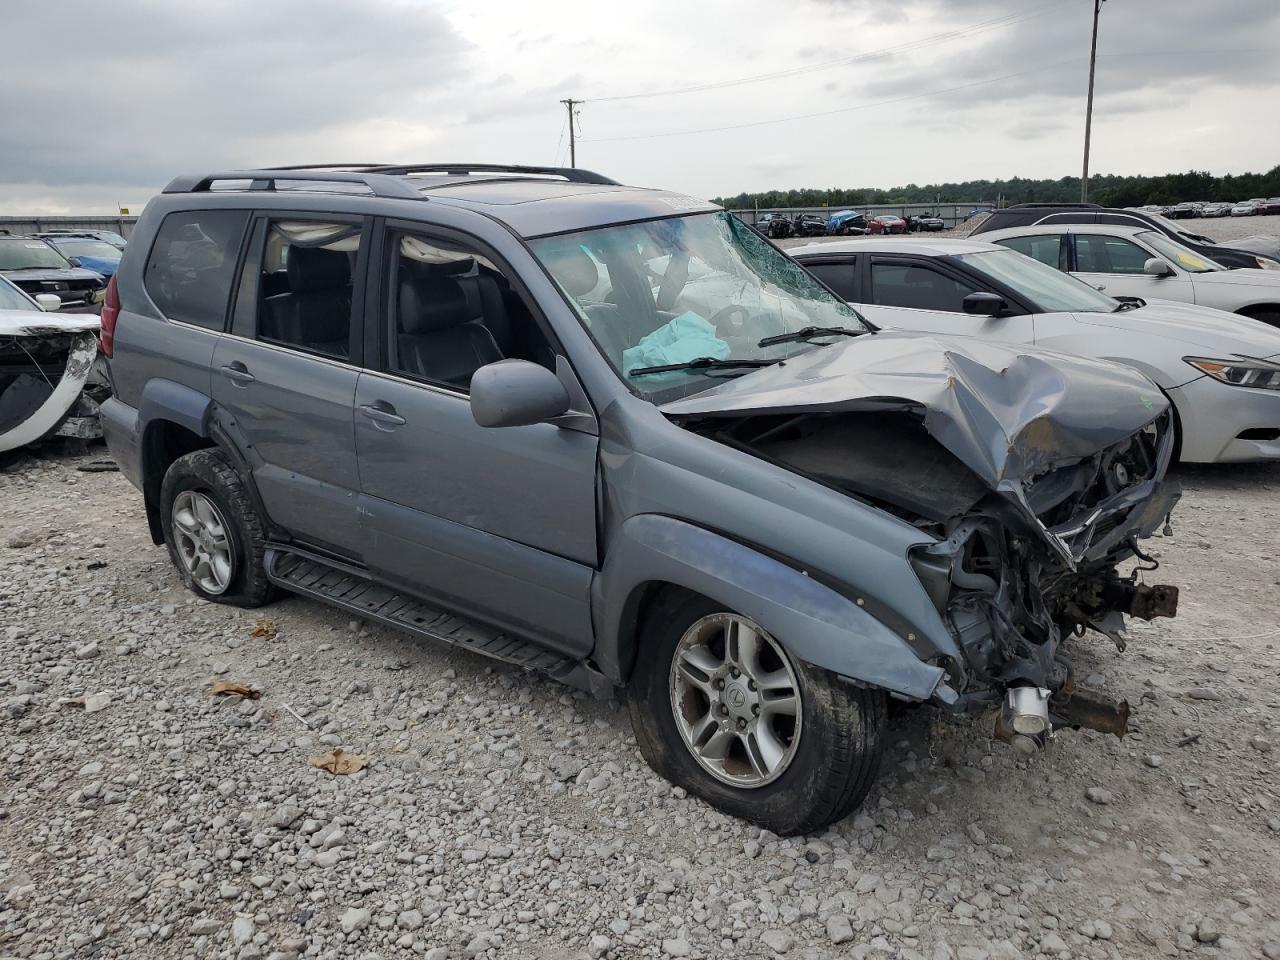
(379, 184)
(1064, 206)
(572, 174)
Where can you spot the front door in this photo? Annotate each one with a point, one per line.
(286, 375)
(499, 523)
(1117, 266)
(905, 293)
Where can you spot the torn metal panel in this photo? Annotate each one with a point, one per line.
(45, 363)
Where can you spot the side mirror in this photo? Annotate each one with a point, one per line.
(984, 304)
(49, 302)
(1155, 267)
(516, 393)
(74, 261)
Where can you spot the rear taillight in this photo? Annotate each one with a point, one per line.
(110, 314)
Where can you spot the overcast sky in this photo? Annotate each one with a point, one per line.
(903, 90)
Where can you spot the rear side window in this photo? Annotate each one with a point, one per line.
(914, 285)
(840, 277)
(1047, 248)
(305, 286)
(192, 263)
(1098, 253)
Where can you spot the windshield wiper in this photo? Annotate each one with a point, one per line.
(701, 363)
(808, 333)
(1128, 303)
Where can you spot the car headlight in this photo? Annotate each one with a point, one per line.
(1261, 374)
(1266, 263)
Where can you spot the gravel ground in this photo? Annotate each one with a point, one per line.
(502, 815)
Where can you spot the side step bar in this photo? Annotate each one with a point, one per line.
(352, 589)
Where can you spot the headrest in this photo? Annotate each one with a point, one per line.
(576, 272)
(430, 301)
(314, 269)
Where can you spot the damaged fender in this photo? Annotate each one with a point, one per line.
(811, 620)
(29, 409)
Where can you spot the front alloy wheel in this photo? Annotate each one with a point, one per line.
(736, 700)
(201, 541)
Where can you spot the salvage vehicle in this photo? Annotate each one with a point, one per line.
(886, 223)
(1137, 262)
(46, 363)
(847, 223)
(776, 226)
(926, 222)
(1258, 252)
(615, 435)
(36, 267)
(1227, 405)
(88, 252)
(808, 225)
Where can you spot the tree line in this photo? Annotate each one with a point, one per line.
(1110, 190)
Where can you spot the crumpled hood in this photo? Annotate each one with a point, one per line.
(52, 273)
(37, 323)
(1205, 328)
(1007, 412)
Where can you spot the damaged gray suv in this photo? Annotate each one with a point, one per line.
(614, 435)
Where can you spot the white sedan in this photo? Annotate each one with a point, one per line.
(45, 361)
(1221, 371)
(1138, 262)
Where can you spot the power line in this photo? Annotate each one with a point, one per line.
(828, 113)
(559, 144)
(933, 40)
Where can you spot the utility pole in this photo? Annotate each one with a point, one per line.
(573, 151)
(1088, 110)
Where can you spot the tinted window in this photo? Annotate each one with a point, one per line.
(918, 286)
(192, 261)
(1122, 219)
(840, 277)
(20, 254)
(1096, 253)
(1047, 248)
(305, 284)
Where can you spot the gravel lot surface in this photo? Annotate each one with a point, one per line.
(502, 815)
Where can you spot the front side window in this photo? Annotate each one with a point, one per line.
(674, 290)
(305, 286)
(1046, 288)
(19, 254)
(1045, 247)
(451, 311)
(1099, 253)
(915, 285)
(840, 277)
(189, 271)
(1175, 252)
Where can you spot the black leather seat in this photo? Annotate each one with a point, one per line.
(439, 337)
(316, 312)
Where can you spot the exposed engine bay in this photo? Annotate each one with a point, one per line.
(1013, 571)
(50, 380)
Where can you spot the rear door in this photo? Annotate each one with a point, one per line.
(286, 374)
(498, 523)
(926, 295)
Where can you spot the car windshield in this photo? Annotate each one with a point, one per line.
(1178, 231)
(674, 290)
(1175, 252)
(11, 298)
(87, 248)
(19, 254)
(1050, 290)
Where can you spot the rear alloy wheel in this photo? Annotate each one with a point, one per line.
(722, 708)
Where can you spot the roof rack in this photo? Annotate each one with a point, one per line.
(1065, 206)
(572, 174)
(379, 184)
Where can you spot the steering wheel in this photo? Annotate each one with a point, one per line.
(721, 319)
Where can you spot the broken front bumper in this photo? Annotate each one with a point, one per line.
(41, 380)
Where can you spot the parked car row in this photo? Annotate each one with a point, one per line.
(73, 267)
(778, 226)
(1239, 208)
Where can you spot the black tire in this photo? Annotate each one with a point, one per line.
(208, 472)
(835, 763)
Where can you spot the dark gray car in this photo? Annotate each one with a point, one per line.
(614, 435)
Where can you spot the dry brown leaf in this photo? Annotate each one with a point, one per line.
(223, 688)
(339, 762)
(263, 628)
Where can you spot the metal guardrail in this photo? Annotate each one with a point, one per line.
(18, 225)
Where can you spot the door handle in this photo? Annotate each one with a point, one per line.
(238, 372)
(382, 412)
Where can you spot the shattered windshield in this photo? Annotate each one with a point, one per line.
(685, 288)
(1049, 289)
